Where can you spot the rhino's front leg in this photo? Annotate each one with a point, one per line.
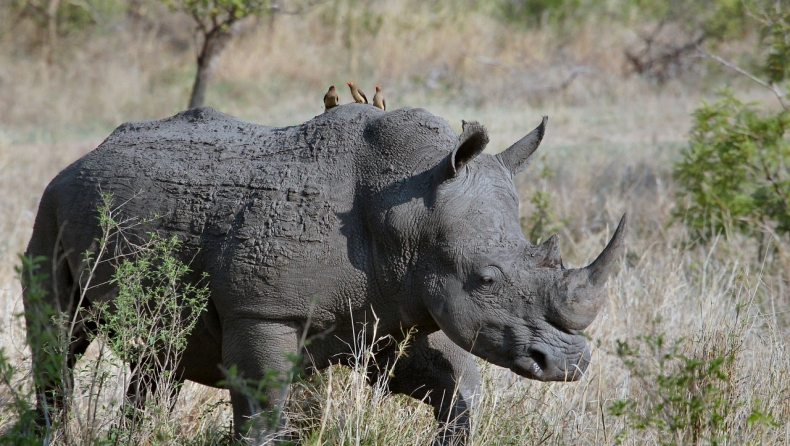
(443, 375)
(262, 352)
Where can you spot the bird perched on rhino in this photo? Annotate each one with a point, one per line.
(330, 98)
(357, 94)
(378, 99)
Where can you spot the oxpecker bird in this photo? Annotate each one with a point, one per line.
(330, 98)
(359, 97)
(378, 99)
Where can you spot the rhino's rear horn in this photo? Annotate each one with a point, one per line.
(516, 156)
(551, 250)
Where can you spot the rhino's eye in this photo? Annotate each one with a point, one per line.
(489, 279)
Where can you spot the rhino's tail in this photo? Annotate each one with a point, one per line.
(51, 300)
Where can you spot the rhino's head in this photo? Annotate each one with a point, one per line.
(493, 293)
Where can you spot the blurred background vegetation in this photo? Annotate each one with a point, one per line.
(83, 65)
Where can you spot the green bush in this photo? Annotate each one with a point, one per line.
(686, 398)
(776, 37)
(539, 12)
(542, 222)
(15, 396)
(155, 310)
(734, 174)
(713, 18)
(148, 324)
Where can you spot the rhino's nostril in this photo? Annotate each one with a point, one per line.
(539, 357)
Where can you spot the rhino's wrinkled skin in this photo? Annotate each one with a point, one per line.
(355, 215)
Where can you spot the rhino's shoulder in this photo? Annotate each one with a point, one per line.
(408, 130)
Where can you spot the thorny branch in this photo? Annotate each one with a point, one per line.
(777, 187)
(769, 85)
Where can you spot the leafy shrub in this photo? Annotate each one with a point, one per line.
(686, 398)
(539, 12)
(15, 400)
(712, 18)
(542, 222)
(776, 37)
(734, 173)
(154, 312)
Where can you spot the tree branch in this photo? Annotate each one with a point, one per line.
(777, 187)
(769, 85)
(199, 22)
(488, 61)
(37, 6)
(276, 8)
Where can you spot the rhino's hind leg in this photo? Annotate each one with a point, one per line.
(262, 353)
(440, 373)
(57, 331)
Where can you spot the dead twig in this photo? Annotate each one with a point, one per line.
(488, 61)
(769, 85)
(515, 72)
(575, 73)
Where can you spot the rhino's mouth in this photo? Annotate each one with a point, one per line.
(528, 368)
(537, 365)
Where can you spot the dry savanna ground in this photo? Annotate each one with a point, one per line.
(692, 340)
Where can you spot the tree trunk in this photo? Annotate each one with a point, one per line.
(213, 44)
(52, 30)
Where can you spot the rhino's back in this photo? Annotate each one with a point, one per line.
(265, 196)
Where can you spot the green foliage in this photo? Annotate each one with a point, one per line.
(47, 335)
(18, 397)
(713, 18)
(218, 14)
(155, 308)
(542, 222)
(776, 37)
(686, 398)
(761, 418)
(554, 12)
(24, 431)
(734, 173)
(70, 17)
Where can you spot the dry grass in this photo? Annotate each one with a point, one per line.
(611, 141)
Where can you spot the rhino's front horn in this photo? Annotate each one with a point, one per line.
(599, 269)
(584, 298)
(515, 157)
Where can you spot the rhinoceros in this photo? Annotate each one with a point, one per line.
(307, 231)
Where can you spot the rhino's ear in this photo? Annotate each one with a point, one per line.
(516, 157)
(472, 142)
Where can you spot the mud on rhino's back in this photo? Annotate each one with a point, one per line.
(211, 178)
